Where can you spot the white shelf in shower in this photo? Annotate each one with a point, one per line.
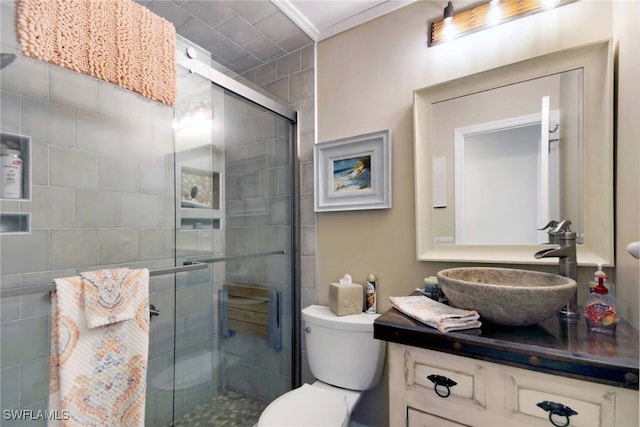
(15, 223)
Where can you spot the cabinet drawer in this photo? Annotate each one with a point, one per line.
(468, 375)
(593, 406)
(422, 419)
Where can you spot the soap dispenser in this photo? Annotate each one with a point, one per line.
(600, 308)
(599, 273)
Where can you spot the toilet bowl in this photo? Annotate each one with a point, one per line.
(316, 404)
(345, 359)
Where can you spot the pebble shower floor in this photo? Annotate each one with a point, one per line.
(227, 409)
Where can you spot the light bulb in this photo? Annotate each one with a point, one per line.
(449, 31)
(549, 4)
(494, 16)
(448, 12)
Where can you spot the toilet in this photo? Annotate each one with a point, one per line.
(344, 358)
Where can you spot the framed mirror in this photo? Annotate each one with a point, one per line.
(501, 153)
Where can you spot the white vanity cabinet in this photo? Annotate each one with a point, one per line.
(491, 394)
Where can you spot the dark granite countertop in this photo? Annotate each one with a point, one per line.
(555, 346)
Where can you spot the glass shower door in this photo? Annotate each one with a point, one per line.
(259, 231)
(198, 170)
(233, 181)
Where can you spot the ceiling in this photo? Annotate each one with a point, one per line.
(242, 35)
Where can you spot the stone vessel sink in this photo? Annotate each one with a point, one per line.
(506, 296)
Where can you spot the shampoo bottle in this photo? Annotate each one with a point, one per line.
(11, 167)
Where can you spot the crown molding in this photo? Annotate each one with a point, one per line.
(366, 15)
(297, 17)
(319, 34)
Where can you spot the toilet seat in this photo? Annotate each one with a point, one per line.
(306, 406)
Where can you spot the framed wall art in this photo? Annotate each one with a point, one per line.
(353, 173)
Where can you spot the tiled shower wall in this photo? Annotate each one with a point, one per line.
(258, 219)
(291, 79)
(102, 196)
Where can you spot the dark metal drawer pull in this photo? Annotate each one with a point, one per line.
(558, 410)
(442, 384)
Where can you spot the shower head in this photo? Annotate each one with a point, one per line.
(6, 59)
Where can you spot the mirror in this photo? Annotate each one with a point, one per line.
(506, 161)
(501, 153)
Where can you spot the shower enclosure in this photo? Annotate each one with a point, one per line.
(234, 168)
(113, 180)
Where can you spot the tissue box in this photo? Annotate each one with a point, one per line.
(344, 300)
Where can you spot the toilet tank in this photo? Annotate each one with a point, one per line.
(341, 349)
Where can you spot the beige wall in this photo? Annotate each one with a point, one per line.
(365, 82)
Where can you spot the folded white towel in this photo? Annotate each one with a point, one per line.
(435, 314)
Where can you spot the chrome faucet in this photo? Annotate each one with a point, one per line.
(567, 260)
(553, 233)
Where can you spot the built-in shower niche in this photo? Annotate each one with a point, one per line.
(200, 224)
(199, 199)
(16, 181)
(17, 148)
(15, 223)
(199, 189)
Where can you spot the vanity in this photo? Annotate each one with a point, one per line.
(551, 373)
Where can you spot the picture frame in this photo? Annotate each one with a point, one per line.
(353, 173)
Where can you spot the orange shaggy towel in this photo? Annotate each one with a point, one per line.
(118, 41)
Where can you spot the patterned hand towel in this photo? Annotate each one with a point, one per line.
(97, 376)
(435, 314)
(108, 294)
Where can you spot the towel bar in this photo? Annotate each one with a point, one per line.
(241, 256)
(48, 287)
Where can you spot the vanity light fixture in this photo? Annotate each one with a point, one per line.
(484, 15)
